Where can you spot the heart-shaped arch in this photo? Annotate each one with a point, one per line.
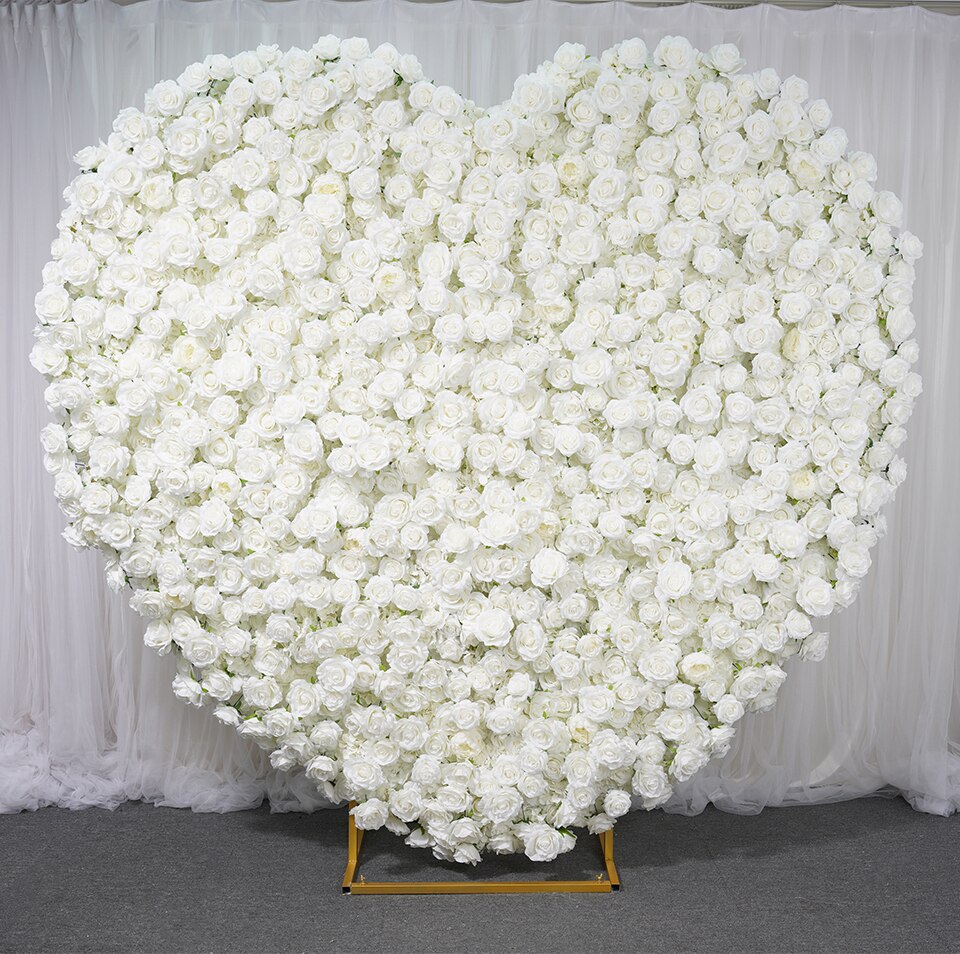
(488, 463)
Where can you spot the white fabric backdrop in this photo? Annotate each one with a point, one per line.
(86, 713)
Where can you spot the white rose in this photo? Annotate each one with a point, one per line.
(815, 596)
(303, 699)
(370, 814)
(501, 806)
(547, 567)
(492, 627)
(728, 709)
(854, 559)
(676, 54)
(674, 579)
(651, 784)
(541, 842)
(697, 667)
(658, 665)
(725, 58)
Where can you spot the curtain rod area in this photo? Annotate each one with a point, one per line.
(936, 6)
(941, 6)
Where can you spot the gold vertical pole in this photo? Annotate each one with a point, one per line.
(606, 845)
(354, 841)
(608, 880)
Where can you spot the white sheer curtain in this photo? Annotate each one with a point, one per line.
(86, 713)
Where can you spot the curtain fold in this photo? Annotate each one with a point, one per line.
(86, 713)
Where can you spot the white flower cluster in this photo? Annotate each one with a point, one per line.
(487, 463)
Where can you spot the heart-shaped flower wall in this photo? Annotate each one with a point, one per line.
(487, 463)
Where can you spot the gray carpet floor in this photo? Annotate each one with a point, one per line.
(871, 875)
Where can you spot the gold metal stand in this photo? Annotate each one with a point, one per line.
(608, 880)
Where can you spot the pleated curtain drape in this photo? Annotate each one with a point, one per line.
(86, 713)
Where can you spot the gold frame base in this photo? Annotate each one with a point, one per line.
(354, 883)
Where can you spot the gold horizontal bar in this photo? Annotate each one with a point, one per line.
(479, 887)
